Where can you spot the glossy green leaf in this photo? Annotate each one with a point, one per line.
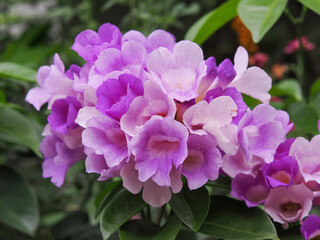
(191, 206)
(145, 230)
(314, 5)
(287, 87)
(120, 209)
(212, 21)
(19, 128)
(304, 116)
(169, 230)
(260, 15)
(232, 219)
(109, 192)
(18, 204)
(16, 71)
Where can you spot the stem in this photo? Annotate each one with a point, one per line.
(160, 214)
(148, 213)
(300, 71)
(143, 215)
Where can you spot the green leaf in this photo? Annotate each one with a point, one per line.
(169, 230)
(16, 71)
(287, 87)
(314, 5)
(212, 21)
(232, 219)
(108, 193)
(19, 128)
(315, 88)
(316, 103)
(250, 101)
(18, 203)
(191, 206)
(304, 116)
(145, 230)
(260, 15)
(2, 97)
(121, 208)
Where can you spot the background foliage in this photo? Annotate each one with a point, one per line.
(32, 31)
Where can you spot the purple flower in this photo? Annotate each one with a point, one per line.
(281, 172)
(159, 144)
(97, 164)
(114, 96)
(284, 170)
(156, 39)
(154, 102)
(236, 97)
(203, 161)
(289, 204)
(53, 83)
(253, 81)
(207, 80)
(179, 72)
(104, 137)
(253, 190)
(113, 62)
(226, 74)
(262, 130)
(89, 44)
(238, 163)
(216, 77)
(79, 76)
(152, 194)
(310, 228)
(63, 114)
(214, 118)
(307, 155)
(74, 70)
(58, 158)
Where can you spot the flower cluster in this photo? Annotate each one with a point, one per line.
(151, 110)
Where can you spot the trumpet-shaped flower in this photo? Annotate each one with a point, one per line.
(152, 193)
(114, 96)
(253, 81)
(63, 114)
(291, 204)
(104, 137)
(159, 146)
(203, 161)
(58, 158)
(154, 102)
(113, 62)
(214, 118)
(156, 39)
(307, 155)
(53, 84)
(89, 44)
(262, 130)
(253, 190)
(179, 72)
